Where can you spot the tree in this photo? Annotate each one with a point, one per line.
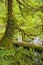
(7, 38)
(27, 12)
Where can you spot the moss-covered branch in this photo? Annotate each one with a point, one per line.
(27, 45)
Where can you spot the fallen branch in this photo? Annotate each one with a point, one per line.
(27, 45)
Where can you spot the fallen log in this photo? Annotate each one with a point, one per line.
(27, 45)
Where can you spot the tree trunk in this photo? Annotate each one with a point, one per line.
(23, 36)
(8, 36)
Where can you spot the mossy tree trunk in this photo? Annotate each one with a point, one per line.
(8, 36)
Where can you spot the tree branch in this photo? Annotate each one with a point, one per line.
(27, 45)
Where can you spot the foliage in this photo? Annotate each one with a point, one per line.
(17, 56)
(28, 15)
(25, 15)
